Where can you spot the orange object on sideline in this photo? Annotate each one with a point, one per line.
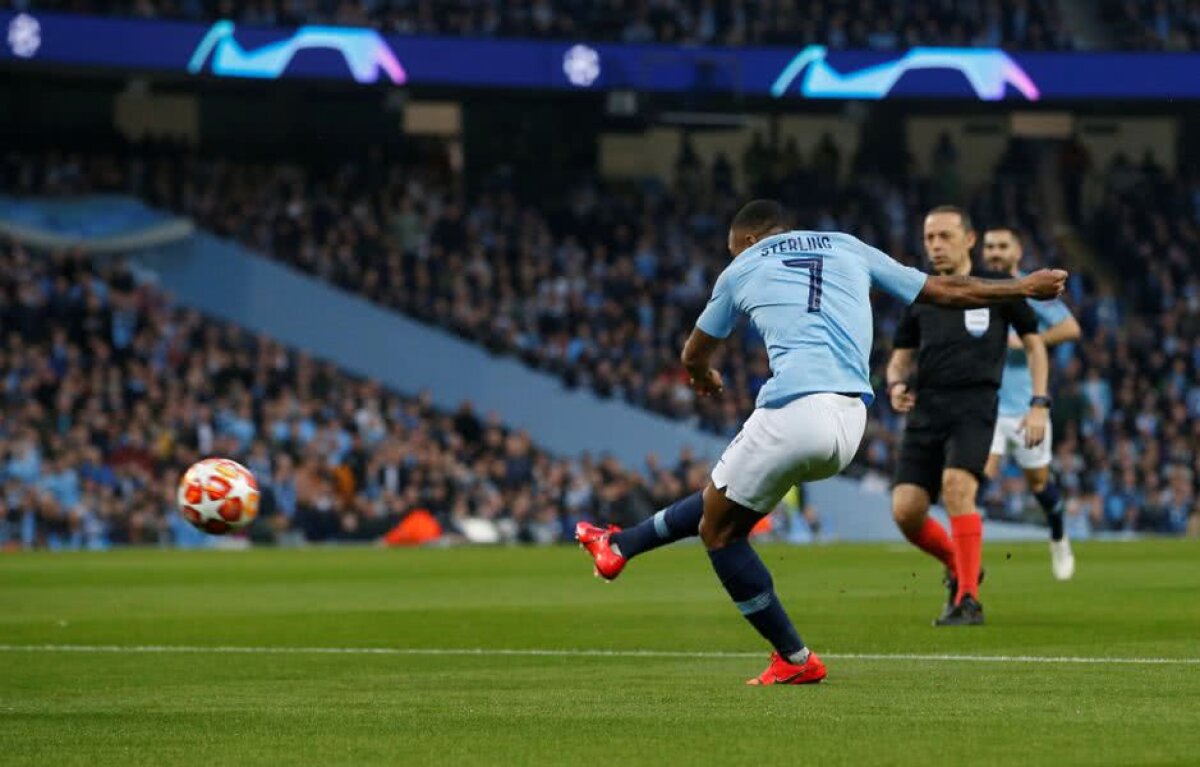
(415, 529)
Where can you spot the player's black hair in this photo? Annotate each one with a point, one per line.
(963, 215)
(759, 216)
(1013, 230)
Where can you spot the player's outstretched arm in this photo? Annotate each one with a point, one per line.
(972, 292)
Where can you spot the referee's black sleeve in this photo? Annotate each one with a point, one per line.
(908, 332)
(1020, 317)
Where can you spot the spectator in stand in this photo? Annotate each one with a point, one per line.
(1074, 162)
(1155, 25)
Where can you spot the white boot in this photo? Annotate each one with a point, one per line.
(1062, 559)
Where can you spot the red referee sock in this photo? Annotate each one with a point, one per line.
(968, 540)
(933, 539)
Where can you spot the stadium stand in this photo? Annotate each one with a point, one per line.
(602, 290)
(1134, 389)
(1154, 25)
(110, 392)
(627, 272)
(875, 24)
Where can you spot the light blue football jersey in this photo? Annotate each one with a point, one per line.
(1016, 385)
(809, 296)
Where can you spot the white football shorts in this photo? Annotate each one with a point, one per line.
(1010, 439)
(808, 439)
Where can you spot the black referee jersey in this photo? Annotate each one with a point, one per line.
(960, 360)
(962, 348)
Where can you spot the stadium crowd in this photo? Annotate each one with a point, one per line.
(1133, 391)
(875, 24)
(1155, 25)
(600, 288)
(109, 392)
(603, 288)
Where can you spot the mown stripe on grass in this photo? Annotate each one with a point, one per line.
(577, 653)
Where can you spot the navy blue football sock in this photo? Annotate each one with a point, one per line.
(1051, 501)
(678, 521)
(749, 584)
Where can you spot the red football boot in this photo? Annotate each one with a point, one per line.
(609, 563)
(782, 672)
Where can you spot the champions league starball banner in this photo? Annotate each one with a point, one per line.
(223, 49)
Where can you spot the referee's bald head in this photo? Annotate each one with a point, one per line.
(964, 218)
(949, 238)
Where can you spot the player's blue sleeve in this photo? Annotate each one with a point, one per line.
(1050, 313)
(718, 317)
(903, 282)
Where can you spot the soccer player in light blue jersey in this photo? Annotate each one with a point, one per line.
(1002, 253)
(809, 296)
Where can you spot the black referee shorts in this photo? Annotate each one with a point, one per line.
(949, 429)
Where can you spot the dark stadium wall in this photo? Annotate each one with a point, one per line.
(48, 112)
(304, 122)
(533, 145)
(238, 120)
(1189, 142)
(529, 142)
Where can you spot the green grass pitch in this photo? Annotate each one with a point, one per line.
(125, 697)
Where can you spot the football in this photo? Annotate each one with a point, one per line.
(218, 495)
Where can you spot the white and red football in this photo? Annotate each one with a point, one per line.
(218, 495)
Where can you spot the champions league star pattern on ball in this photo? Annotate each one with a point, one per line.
(218, 495)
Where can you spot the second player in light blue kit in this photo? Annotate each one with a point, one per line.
(1002, 253)
(809, 296)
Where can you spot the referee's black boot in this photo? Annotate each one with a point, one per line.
(950, 581)
(968, 612)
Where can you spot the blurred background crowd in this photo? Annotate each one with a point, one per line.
(874, 24)
(110, 392)
(884, 25)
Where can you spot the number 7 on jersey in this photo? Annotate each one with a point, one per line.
(813, 264)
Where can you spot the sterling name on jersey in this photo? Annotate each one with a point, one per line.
(1016, 385)
(809, 296)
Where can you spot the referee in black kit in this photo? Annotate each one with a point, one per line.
(959, 356)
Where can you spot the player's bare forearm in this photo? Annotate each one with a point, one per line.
(962, 292)
(1067, 330)
(698, 352)
(1039, 363)
(899, 366)
(697, 357)
(899, 370)
(1034, 423)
